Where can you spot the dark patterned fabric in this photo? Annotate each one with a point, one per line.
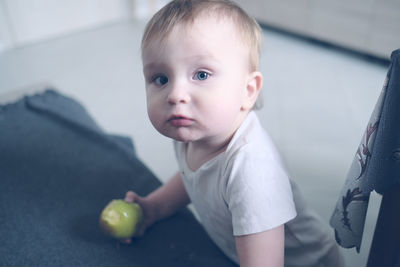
(58, 170)
(376, 165)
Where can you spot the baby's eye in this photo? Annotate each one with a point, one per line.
(201, 76)
(160, 80)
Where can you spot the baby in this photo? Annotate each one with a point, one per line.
(200, 62)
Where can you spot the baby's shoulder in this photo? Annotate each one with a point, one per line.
(256, 147)
(253, 160)
(252, 150)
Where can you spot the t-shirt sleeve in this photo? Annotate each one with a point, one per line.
(258, 193)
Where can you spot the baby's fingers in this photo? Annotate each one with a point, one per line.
(131, 196)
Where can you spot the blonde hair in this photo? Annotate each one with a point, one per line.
(186, 11)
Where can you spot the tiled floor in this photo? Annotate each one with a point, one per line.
(318, 100)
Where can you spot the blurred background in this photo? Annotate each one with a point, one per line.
(324, 65)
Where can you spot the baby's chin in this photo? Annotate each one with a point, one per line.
(180, 139)
(180, 135)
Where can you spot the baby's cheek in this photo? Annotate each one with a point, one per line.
(154, 115)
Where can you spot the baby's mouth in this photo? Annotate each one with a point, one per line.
(180, 121)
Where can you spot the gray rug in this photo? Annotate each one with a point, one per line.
(58, 170)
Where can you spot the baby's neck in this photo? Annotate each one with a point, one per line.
(199, 153)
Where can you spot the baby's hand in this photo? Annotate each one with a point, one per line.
(148, 217)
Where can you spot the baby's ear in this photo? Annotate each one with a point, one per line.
(253, 88)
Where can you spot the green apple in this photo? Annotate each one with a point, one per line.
(120, 219)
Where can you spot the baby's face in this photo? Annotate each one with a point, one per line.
(196, 81)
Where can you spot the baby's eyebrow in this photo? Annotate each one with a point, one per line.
(194, 58)
(150, 66)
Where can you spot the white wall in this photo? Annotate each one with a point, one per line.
(143, 9)
(370, 26)
(24, 22)
(6, 40)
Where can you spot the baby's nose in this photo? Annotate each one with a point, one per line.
(178, 95)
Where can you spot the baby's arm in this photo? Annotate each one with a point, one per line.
(261, 249)
(161, 203)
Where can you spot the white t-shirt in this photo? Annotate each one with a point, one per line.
(243, 190)
(246, 190)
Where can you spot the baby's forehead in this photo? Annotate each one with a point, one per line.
(185, 28)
